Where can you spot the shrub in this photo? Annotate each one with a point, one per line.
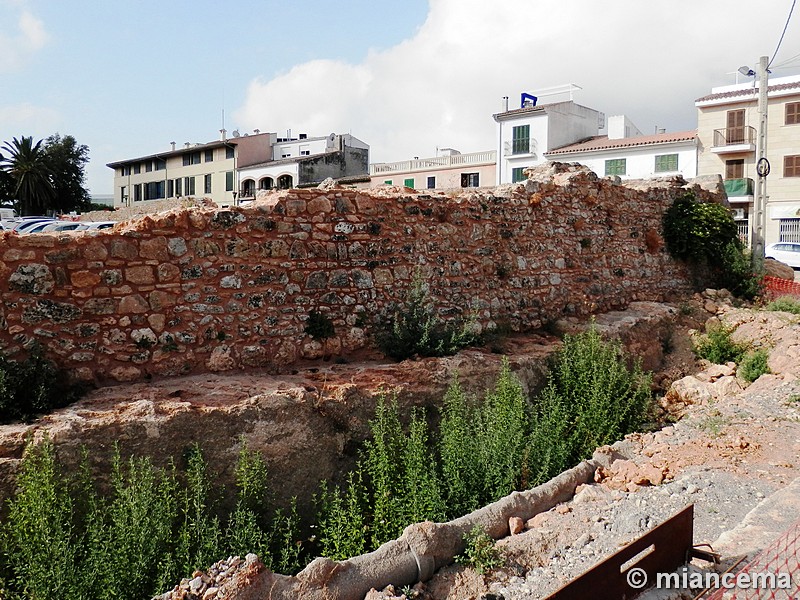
(753, 365)
(705, 234)
(786, 304)
(415, 330)
(342, 523)
(459, 449)
(480, 552)
(697, 231)
(33, 387)
(39, 536)
(592, 398)
(422, 497)
(716, 346)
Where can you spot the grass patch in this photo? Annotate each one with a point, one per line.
(788, 304)
(753, 365)
(716, 346)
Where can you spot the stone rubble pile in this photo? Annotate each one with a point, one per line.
(219, 582)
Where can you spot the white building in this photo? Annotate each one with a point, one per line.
(626, 152)
(526, 133)
(306, 161)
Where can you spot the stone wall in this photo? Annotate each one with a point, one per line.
(201, 289)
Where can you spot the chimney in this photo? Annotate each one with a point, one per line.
(173, 146)
(256, 131)
(505, 103)
(187, 144)
(222, 133)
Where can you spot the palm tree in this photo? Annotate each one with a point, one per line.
(26, 163)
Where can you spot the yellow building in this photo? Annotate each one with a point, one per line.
(727, 131)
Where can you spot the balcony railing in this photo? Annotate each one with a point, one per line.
(734, 136)
(438, 162)
(738, 187)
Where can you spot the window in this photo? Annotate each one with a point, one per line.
(469, 180)
(615, 166)
(123, 194)
(387, 182)
(178, 187)
(160, 164)
(209, 155)
(735, 133)
(229, 181)
(792, 113)
(789, 230)
(409, 183)
(188, 184)
(517, 175)
(791, 166)
(431, 183)
(148, 166)
(154, 190)
(137, 192)
(305, 152)
(192, 158)
(265, 183)
(170, 188)
(521, 139)
(207, 184)
(228, 151)
(137, 168)
(126, 170)
(734, 169)
(666, 163)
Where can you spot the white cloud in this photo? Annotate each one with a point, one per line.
(28, 119)
(18, 42)
(441, 86)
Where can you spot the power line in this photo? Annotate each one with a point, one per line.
(780, 41)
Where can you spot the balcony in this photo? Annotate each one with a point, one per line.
(734, 139)
(436, 163)
(739, 189)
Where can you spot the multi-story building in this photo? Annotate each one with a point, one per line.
(630, 154)
(526, 133)
(202, 170)
(230, 169)
(449, 169)
(307, 161)
(727, 124)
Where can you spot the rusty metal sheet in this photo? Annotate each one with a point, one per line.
(670, 541)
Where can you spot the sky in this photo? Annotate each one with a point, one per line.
(407, 77)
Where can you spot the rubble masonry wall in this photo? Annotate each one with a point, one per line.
(202, 289)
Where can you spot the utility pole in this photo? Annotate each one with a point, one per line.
(759, 220)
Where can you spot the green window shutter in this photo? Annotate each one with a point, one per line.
(521, 139)
(409, 183)
(517, 174)
(229, 181)
(388, 182)
(616, 166)
(666, 163)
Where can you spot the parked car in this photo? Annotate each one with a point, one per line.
(26, 224)
(95, 225)
(785, 252)
(63, 226)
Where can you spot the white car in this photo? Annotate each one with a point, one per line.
(95, 225)
(62, 226)
(785, 252)
(26, 225)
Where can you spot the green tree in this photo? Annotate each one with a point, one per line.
(66, 161)
(28, 165)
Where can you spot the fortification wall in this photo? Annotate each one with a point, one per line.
(200, 289)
